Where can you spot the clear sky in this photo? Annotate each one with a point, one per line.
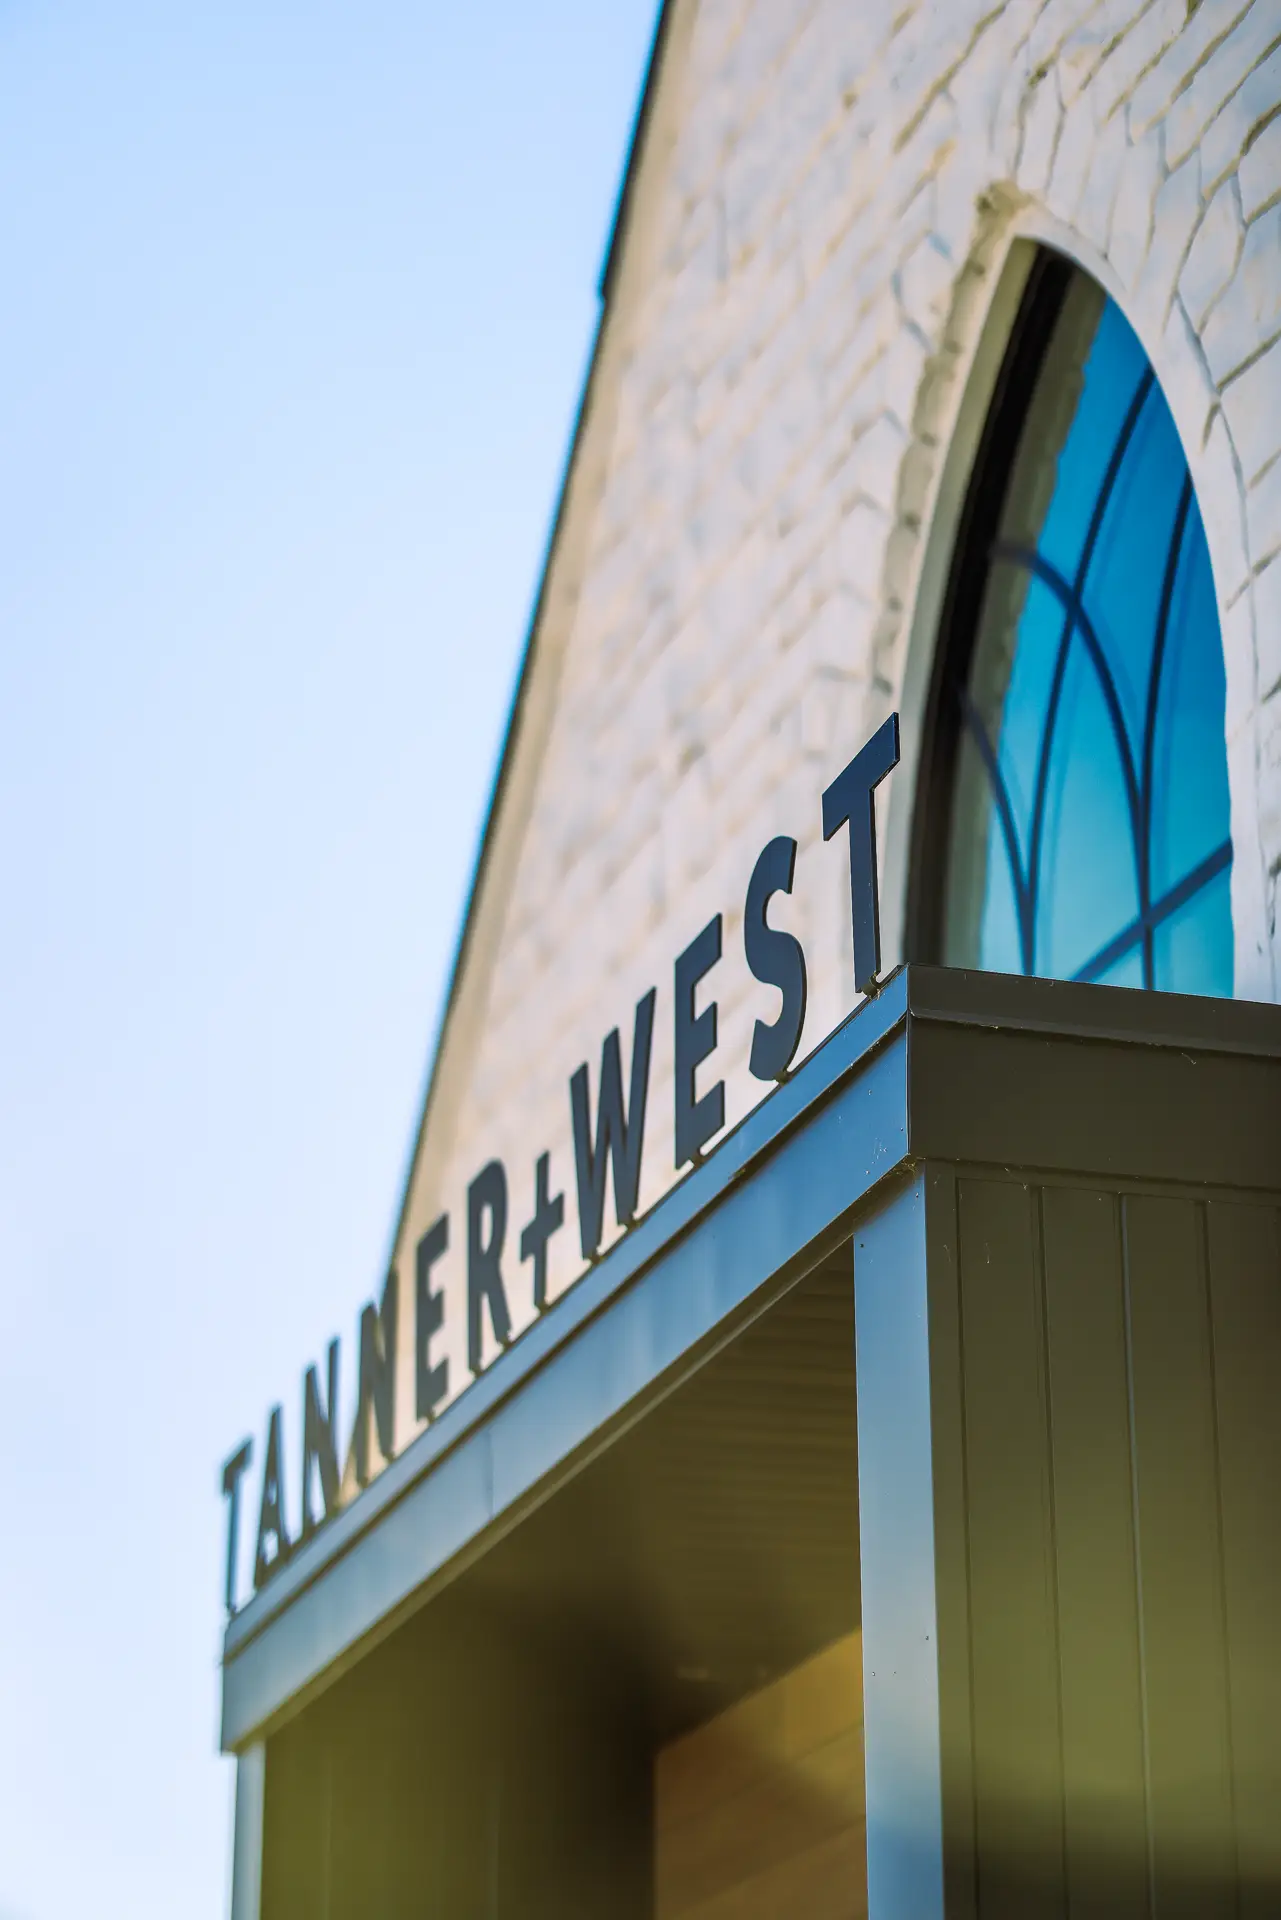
(297, 301)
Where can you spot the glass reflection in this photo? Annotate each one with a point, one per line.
(1089, 824)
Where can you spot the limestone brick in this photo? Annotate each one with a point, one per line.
(1042, 122)
(1213, 254)
(1252, 403)
(1132, 215)
(1267, 613)
(1176, 214)
(1249, 311)
(829, 197)
(1257, 95)
(1260, 170)
(1134, 50)
(1218, 79)
(1189, 48)
(1263, 514)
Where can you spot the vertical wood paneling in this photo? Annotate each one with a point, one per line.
(1181, 1574)
(1104, 1804)
(1018, 1779)
(1245, 1294)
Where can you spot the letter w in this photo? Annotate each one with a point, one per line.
(619, 1133)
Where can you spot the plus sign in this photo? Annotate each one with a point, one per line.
(549, 1217)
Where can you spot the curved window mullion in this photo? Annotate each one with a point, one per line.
(1073, 611)
(1078, 621)
(1005, 813)
(1154, 689)
(1109, 780)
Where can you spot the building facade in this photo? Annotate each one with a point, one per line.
(938, 376)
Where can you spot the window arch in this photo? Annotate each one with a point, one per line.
(1072, 817)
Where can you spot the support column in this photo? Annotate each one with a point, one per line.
(912, 1552)
(247, 1833)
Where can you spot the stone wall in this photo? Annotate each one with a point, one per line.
(824, 248)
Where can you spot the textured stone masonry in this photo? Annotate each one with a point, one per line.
(826, 211)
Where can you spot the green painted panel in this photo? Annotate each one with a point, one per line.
(1104, 1799)
(1245, 1296)
(1180, 1564)
(1014, 1669)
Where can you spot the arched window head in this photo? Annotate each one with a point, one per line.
(1073, 817)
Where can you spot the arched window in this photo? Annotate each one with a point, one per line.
(1073, 816)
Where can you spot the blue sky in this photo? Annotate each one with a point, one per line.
(297, 306)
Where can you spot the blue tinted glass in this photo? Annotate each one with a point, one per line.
(1193, 948)
(1088, 879)
(1018, 728)
(1093, 716)
(1125, 972)
(999, 945)
(1122, 592)
(1190, 768)
(1113, 369)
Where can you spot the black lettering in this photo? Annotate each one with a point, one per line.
(849, 799)
(695, 1038)
(431, 1384)
(318, 1442)
(486, 1194)
(619, 1135)
(549, 1218)
(776, 959)
(271, 1510)
(232, 1473)
(377, 1385)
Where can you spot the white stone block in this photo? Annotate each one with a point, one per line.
(1212, 255)
(1195, 41)
(1139, 179)
(1265, 593)
(1138, 47)
(1176, 214)
(1237, 630)
(1263, 513)
(1248, 314)
(1260, 173)
(1252, 403)
(1215, 82)
(1078, 139)
(1042, 114)
(1223, 512)
(1257, 95)
(1109, 162)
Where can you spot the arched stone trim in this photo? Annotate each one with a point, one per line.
(1191, 253)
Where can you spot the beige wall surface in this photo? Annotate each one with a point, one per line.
(832, 212)
(759, 1815)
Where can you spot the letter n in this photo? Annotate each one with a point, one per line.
(377, 1379)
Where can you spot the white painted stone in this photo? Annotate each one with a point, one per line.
(1263, 514)
(1266, 595)
(1213, 87)
(1042, 118)
(815, 236)
(1132, 53)
(1212, 256)
(1176, 214)
(1189, 390)
(1252, 403)
(1196, 41)
(1223, 512)
(1260, 173)
(1259, 94)
(1138, 186)
(1249, 311)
